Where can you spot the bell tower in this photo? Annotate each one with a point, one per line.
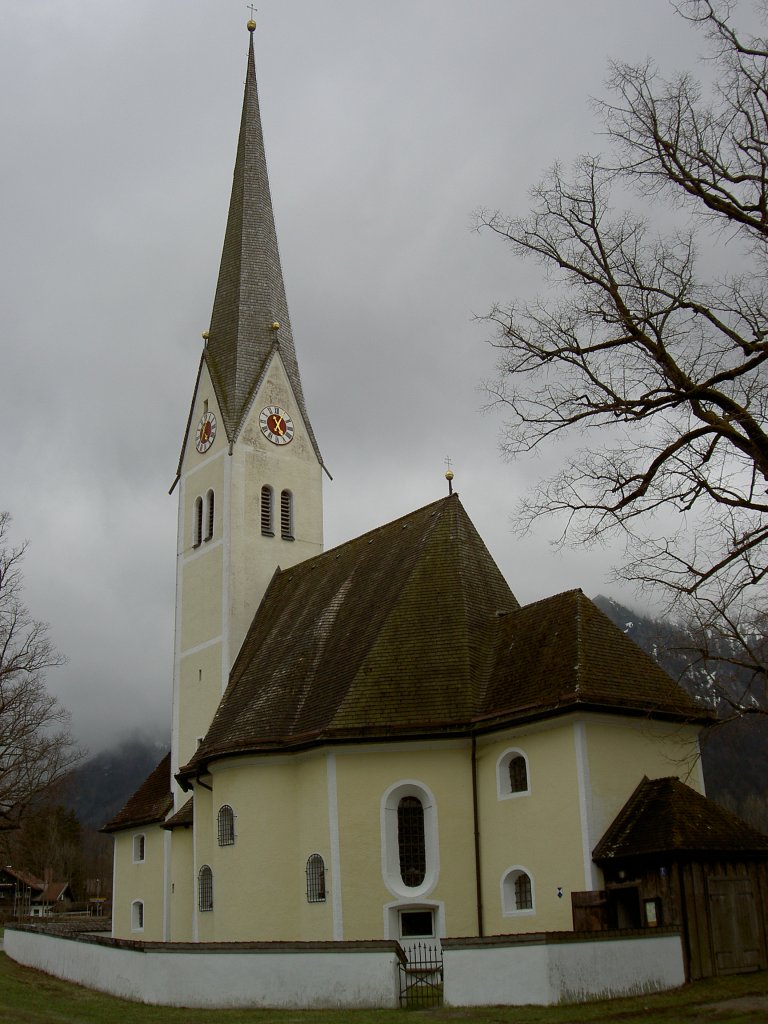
(249, 478)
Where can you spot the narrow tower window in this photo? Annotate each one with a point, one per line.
(267, 512)
(518, 775)
(209, 516)
(286, 515)
(205, 888)
(411, 841)
(198, 532)
(315, 879)
(137, 916)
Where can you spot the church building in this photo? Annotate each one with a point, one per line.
(375, 741)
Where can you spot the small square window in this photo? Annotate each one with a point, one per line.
(417, 924)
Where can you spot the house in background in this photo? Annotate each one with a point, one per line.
(375, 741)
(24, 895)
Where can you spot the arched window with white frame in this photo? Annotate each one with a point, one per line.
(137, 916)
(139, 848)
(286, 515)
(517, 892)
(513, 774)
(267, 511)
(410, 854)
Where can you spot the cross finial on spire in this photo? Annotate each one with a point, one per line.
(449, 474)
(252, 21)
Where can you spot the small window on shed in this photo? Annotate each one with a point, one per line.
(226, 826)
(205, 888)
(316, 879)
(267, 511)
(286, 515)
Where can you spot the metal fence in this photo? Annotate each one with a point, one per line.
(421, 976)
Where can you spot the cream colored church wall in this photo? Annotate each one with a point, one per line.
(257, 462)
(201, 600)
(181, 895)
(199, 686)
(138, 880)
(623, 750)
(204, 922)
(364, 776)
(538, 831)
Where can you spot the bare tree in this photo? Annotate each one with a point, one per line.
(36, 746)
(637, 346)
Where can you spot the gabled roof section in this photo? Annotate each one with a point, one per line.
(183, 818)
(390, 634)
(563, 653)
(149, 804)
(664, 816)
(250, 294)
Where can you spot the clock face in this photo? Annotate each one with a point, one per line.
(206, 432)
(276, 425)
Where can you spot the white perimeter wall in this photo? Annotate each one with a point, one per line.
(220, 978)
(569, 972)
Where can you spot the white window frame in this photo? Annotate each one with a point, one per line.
(137, 911)
(503, 784)
(139, 848)
(508, 895)
(390, 852)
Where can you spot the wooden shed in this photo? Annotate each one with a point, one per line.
(673, 857)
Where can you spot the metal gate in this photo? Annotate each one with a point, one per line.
(421, 975)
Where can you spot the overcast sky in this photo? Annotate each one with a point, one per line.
(386, 125)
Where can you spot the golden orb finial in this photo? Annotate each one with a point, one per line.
(206, 335)
(275, 325)
(251, 25)
(449, 475)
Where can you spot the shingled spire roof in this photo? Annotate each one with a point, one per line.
(250, 294)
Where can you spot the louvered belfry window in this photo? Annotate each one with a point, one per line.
(209, 523)
(518, 775)
(198, 538)
(286, 515)
(315, 879)
(267, 514)
(411, 841)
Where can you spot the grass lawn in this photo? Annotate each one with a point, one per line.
(29, 997)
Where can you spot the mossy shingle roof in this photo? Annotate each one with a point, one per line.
(411, 630)
(664, 816)
(149, 804)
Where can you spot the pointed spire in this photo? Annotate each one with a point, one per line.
(250, 311)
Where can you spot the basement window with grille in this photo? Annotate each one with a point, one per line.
(316, 879)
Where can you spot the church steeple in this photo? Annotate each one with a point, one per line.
(250, 312)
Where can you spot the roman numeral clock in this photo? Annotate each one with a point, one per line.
(276, 425)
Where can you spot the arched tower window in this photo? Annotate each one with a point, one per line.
(267, 512)
(198, 528)
(411, 841)
(513, 776)
(209, 515)
(205, 888)
(226, 826)
(315, 879)
(286, 515)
